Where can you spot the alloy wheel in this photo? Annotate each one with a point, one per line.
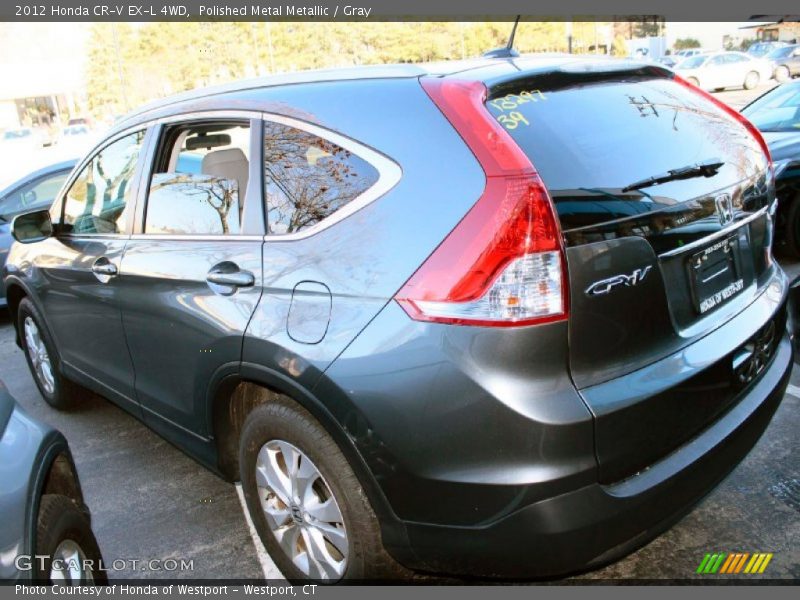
(68, 564)
(40, 359)
(301, 511)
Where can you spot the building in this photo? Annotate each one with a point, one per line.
(41, 67)
(778, 31)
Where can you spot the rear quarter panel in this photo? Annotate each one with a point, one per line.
(364, 259)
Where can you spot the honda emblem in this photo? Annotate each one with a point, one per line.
(724, 208)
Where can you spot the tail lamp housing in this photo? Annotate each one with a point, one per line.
(503, 265)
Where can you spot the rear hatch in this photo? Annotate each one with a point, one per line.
(662, 197)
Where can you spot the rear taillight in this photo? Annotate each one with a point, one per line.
(732, 112)
(503, 265)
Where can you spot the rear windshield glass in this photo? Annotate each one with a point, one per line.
(591, 141)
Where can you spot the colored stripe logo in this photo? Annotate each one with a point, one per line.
(734, 563)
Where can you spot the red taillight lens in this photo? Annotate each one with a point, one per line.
(503, 264)
(734, 113)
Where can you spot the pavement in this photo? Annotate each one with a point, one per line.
(151, 501)
(738, 99)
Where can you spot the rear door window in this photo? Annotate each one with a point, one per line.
(308, 178)
(200, 180)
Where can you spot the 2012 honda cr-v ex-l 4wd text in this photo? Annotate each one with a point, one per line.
(511, 317)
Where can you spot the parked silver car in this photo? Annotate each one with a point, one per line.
(720, 70)
(785, 62)
(45, 532)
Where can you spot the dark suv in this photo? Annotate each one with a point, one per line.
(510, 319)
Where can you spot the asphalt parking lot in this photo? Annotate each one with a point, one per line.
(150, 501)
(739, 98)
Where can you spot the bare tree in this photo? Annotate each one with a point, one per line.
(309, 178)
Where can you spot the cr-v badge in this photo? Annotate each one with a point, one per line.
(604, 286)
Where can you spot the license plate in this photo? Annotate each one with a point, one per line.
(715, 274)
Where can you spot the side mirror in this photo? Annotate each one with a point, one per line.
(32, 227)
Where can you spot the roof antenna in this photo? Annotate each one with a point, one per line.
(506, 51)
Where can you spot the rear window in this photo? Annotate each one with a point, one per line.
(589, 140)
(307, 178)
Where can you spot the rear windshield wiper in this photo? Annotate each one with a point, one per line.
(708, 168)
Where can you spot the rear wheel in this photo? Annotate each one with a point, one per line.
(65, 540)
(782, 74)
(694, 81)
(751, 80)
(43, 359)
(306, 502)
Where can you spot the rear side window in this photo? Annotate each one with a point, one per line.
(592, 140)
(308, 178)
(200, 180)
(95, 203)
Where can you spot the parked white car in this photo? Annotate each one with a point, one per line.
(719, 70)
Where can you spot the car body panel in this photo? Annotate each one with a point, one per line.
(416, 397)
(28, 448)
(594, 525)
(81, 304)
(177, 328)
(174, 366)
(777, 114)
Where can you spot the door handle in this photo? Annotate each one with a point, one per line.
(103, 267)
(233, 279)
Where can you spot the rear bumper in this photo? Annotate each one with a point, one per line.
(598, 523)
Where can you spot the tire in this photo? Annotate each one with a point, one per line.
(694, 81)
(63, 531)
(791, 229)
(271, 435)
(58, 392)
(782, 74)
(751, 80)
